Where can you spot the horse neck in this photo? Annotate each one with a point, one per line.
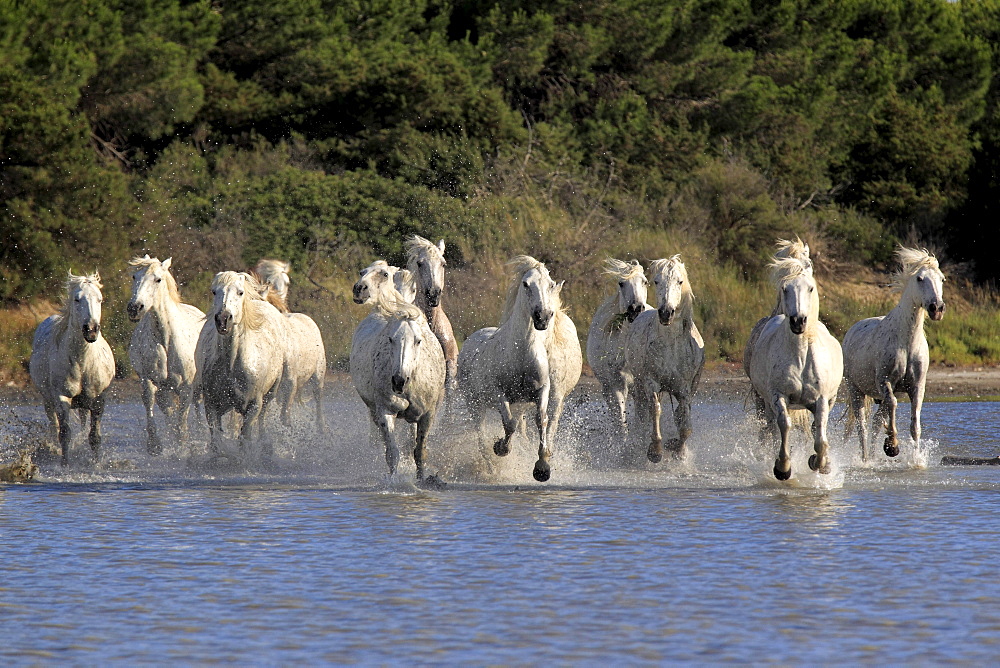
(164, 314)
(907, 318)
(518, 328)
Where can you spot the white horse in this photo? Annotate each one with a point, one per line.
(533, 357)
(608, 329)
(398, 368)
(241, 354)
(162, 347)
(306, 366)
(71, 364)
(426, 262)
(273, 277)
(797, 362)
(665, 353)
(888, 354)
(378, 277)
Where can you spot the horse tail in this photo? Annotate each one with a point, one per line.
(851, 417)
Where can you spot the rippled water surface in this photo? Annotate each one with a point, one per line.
(320, 557)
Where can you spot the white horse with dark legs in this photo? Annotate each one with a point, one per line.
(608, 329)
(426, 262)
(797, 362)
(241, 355)
(398, 368)
(71, 364)
(379, 278)
(162, 347)
(888, 354)
(665, 353)
(533, 357)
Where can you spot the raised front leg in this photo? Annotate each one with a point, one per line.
(94, 438)
(821, 413)
(386, 424)
(542, 470)
(510, 422)
(153, 444)
(783, 464)
(891, 445)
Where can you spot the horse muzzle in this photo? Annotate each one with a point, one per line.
(358, 291)
(541, 319)
(936, 311)
(633, 311)
(797, 323)
(134, 311)
(223, 322)
(91, 331)
(666, 315)
(433, 297)
(398, 383)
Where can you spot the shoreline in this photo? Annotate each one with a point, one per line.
(718, 380)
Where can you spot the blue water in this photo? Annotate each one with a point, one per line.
(325, 560)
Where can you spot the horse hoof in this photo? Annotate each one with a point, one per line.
(891, 447)
(431, 482)
(654, 453)
(814, 465)
(542, 471)
(501, 449)
(155, 449)
(780, 474)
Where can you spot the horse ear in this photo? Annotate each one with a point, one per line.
(559, 286)
(166, 263)
(441, 245)
(146, 256)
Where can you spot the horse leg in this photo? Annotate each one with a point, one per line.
(94, 438)
(63, 409)
(317, 392)
(891, 445)
(682, 419)
(654, 452)
(290, 391)
(502, 447)
(542, 470)
(153, 445)
(420, 452)
(250, 416)
(860, 409)
(916, 404)
(783, 464)
(821, 413)
(386, 424)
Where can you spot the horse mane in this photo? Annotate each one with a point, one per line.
(624, 271)
(797, 249)
(267, 294)
(674, 263)
(267, 267)
(172, 291)
(519, 266)
(253, 316)
(72, 280)
(417, 247)
(393, 307)
(406, 279)
(912, 260)
(786, 269)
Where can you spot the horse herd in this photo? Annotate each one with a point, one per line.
(249, 350)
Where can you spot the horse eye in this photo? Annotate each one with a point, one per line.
(420, 263)
(621, 284)
(811, 288)
(920, 278)
(418, 341)
(159, 280)
(239, 294)
(525, 284)
(680, 282)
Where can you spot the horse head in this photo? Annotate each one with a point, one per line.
(540, 293)
(405, 337)
(670, 280)
(797, 292)
(84, 301)
(373, 280)
(229, 299)
(426, 262)
(632, 286)
(150, 278)
(921, 277)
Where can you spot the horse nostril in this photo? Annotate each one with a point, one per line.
(398, 382)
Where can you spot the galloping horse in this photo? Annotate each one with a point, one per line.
(664, 352)
(162, 347)
(796, 361)
(426, 262)
(888, 354)
(534, 356)
(398, 369)
(608, 329)
(241, 354)
(71, 364)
